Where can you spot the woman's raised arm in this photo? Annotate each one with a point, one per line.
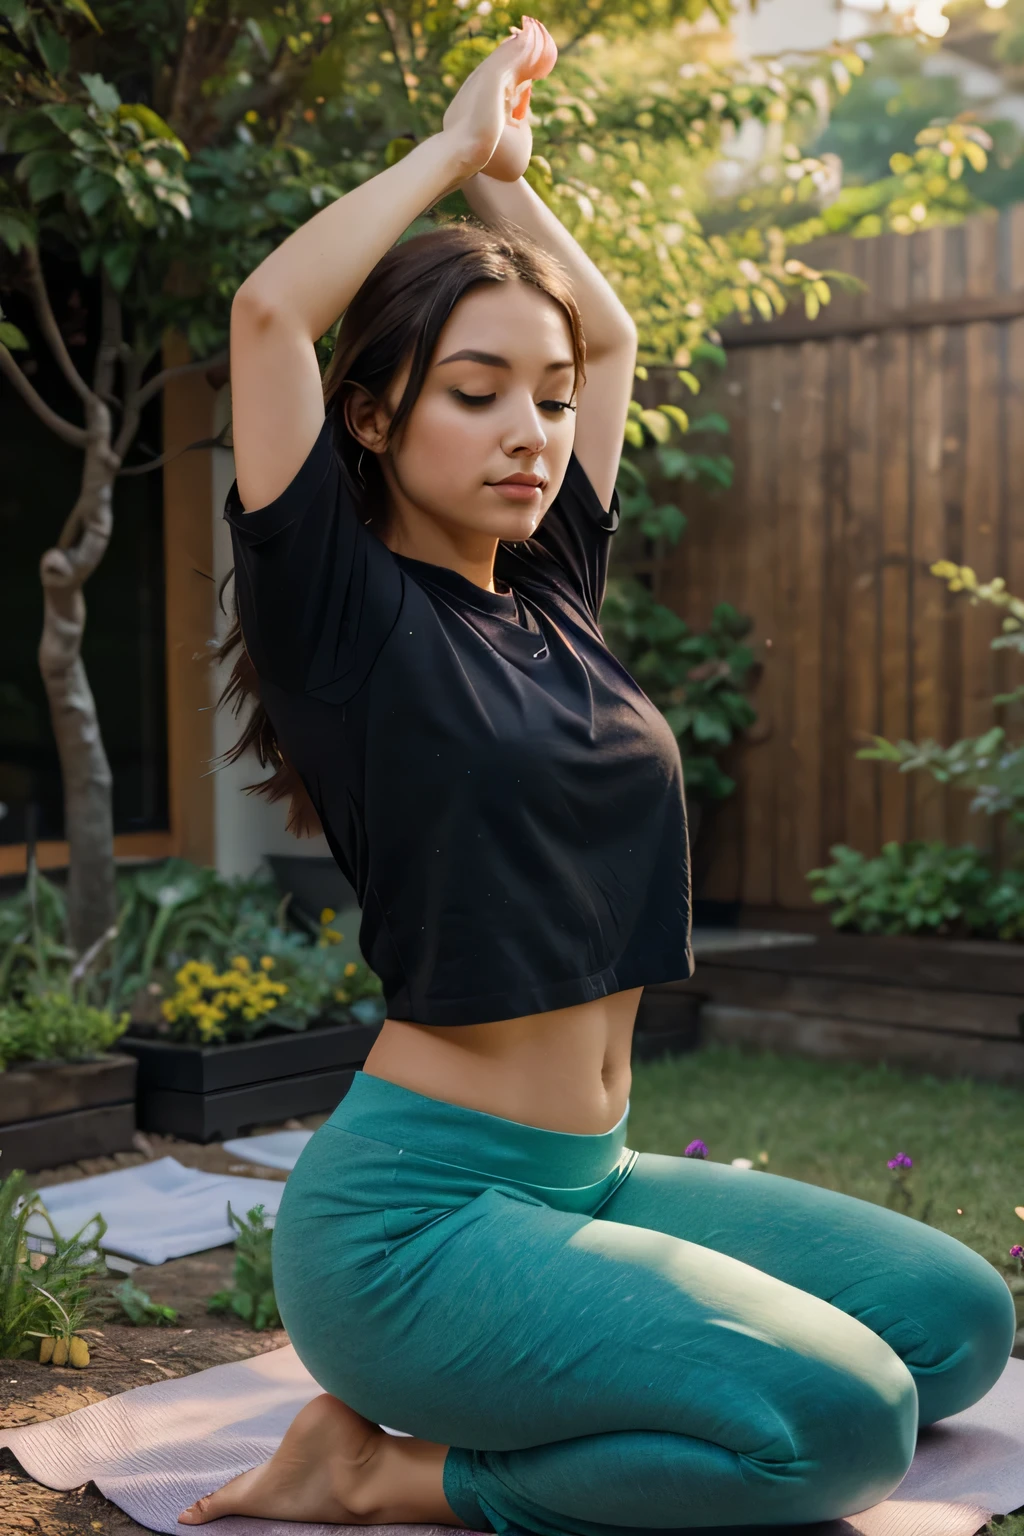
(297, 292)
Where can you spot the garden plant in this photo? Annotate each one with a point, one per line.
(45, 1297)
(918, 886)
(193, 957)
(251, 1293)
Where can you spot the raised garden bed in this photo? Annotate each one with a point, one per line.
(57, 1112)
(951, 1007)
(204, 1092)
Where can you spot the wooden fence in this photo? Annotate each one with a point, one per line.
(885, 435)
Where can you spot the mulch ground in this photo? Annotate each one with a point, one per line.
(123, 1356)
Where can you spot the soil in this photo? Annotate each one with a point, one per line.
(123, 1356)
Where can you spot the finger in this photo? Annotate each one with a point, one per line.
(548, 52)
(521, 101)
(532, 29)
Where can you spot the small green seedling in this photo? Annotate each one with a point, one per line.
(139, 1308)
(251, 1297)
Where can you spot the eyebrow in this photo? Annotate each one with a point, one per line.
(492, 360)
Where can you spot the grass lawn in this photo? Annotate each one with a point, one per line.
(838, 1125)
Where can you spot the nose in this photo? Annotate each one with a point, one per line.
(525, 432)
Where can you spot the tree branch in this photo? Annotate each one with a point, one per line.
(134, 367)
(220, 441)
(48, 324)
(166, 375)
(111, 338)
(76, 436)
(399, 46)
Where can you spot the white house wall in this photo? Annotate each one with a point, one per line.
(245, 826)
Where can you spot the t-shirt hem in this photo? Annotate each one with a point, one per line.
(494, 1007)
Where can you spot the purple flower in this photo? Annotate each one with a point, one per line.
(901, 1160)
(696, 1149)
(1017, 1252)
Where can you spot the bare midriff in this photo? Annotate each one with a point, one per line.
(565, 1070)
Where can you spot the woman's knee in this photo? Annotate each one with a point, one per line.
(852, 1438)
(970, 1334)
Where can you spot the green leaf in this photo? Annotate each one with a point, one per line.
(397, 149)
(714, 421)
(152, 124)
(55, 49)
(16, 12)
(104, 94)
(12, 338)
(82, 9)
(15, 233)
(119, 263)
(44, 173)
(94, 190)
(690, 380)
(677, 414)
(656, 424)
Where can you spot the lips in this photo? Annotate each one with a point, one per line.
(519, 479)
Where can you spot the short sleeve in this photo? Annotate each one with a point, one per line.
(317, 592)
(575, 532)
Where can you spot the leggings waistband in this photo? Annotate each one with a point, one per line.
(469, 1138)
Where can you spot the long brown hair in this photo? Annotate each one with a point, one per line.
(397, 314)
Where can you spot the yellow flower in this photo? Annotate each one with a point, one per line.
(351, 968)
(240, 963)
(266, 963)
(327, 916)
(341, 996)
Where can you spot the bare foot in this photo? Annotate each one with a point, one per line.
(316, 1474)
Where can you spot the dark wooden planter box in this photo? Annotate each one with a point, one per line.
(950, 1007)
(204, 1093)
(668, 1021)
(57, 1112)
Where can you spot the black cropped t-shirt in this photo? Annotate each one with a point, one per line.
(505, 800)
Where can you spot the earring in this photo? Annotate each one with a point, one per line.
(359, 467)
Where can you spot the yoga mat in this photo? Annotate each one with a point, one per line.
(159, 1210)
(156, 1449)
(277, 1149)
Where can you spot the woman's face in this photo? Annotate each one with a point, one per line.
(496, 401)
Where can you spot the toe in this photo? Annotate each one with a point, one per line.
(199, 1512)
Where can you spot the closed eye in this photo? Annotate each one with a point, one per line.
(477, 400)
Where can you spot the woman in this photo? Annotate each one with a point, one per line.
(572, 1337)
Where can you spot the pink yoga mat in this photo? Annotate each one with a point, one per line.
(156, 1449)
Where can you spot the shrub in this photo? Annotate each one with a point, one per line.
(908, 888)
(918, 887)
(56, 1027)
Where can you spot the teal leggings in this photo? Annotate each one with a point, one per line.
(611, 1341)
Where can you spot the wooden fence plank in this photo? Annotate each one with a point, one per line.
(894, 512)
(835, 746)
(981, 539)
(800, 830)
(929, 614)
(760, 821)
(862, 630)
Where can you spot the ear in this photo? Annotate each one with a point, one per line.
(366, 419)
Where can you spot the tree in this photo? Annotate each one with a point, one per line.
(168, 230)
(170, 144)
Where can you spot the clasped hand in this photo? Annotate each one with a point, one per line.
(488, 113)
